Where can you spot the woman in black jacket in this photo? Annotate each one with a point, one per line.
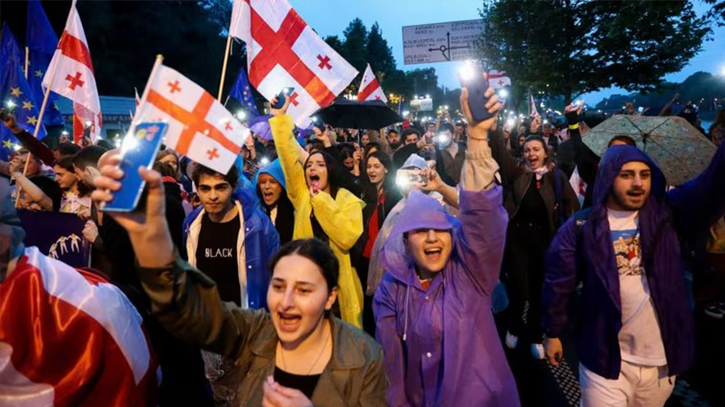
(381, 194)
(539, 199)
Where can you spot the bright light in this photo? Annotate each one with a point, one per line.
(723, 70)
(503, 93)
(264, 161)
(65, 133)
(521, 116)
(117, 142)
(129, 143)
(405, 113)
(546, 122)
(415, 97)
(510, 122)
(16, 147)
(89, 123)
(241, 115)
(315, 119)
(10, 104)
(445, 107)
(467, 72)
(542, 105)
(427, 96)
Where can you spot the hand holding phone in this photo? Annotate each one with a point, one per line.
(282, 97)
(472, 78)
(138, 149)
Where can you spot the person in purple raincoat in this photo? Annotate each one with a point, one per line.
(433, 306)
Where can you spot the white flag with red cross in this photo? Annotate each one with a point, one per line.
(370, 87)
(283, 51)
(200, 127)
(85, 119)
(70, 73)
(533, 112)
(498, 79)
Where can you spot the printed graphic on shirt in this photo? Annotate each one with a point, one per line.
(627, 252)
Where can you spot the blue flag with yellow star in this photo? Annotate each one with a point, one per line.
(243, 93)
(15, 93)
(42, 42)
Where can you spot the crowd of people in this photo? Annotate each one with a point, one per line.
(366, 267)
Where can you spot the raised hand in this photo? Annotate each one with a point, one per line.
(479, 130)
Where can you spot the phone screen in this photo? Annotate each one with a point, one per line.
(137, 150)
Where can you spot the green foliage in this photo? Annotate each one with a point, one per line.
(717, 11)
(580, 46)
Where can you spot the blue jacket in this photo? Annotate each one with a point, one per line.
(261, 243)
(585, 252)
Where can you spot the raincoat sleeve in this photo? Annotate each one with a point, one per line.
(340, 218)
(186, 302)
(386, 315)
(289, 158)
(483, 219)
(700, 203)
(559, 279)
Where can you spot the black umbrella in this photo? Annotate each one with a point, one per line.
(351, 114)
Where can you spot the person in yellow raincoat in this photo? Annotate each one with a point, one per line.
(323, 209)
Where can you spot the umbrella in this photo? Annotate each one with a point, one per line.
(351, 114)
(678, 148)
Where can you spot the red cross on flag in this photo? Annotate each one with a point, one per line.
(70, 73)
(200, 127)
(498, 79)
(370, 87)
(533, 112)
(283, 51)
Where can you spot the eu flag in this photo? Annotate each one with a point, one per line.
(15, 93)
(243, 93)
(42, 42)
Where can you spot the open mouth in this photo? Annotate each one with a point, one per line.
(289, 322)
(433, 254)
(314, 178)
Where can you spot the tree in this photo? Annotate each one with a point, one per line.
(584, 46)
(717, 11)
(354, 46)
(334, 42)
(379, 54)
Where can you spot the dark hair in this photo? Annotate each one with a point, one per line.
(66, 162)
(67, 149)
(408, 132)
(232, 177)
(164, 169)
(371, 145)
(447, 126)
(369, 191)
(315, 251)
(103, 143)
(315, 145)
(88, 157)
(334, 171)
(624, 139)
(543, 143)
(393, 131)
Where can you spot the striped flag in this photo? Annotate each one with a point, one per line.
(70, 73)
(370, 87)
(533, 112)
(498, 79)
(77, 342)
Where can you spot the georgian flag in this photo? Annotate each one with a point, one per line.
(579, 186)
(200, 127)
(283, 51)
(370, 87)
(498, 79)
(533, 112)
(70, 338)
(70, 73)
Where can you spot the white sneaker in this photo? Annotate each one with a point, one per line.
(537, 351)
(511, 340)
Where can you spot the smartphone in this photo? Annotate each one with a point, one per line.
(138, 149)
(472, 79)
(10, 108)
(282, 97)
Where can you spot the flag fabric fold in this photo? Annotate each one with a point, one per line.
(15, 94)
(533, 112)
(200, 127)
(70, 73)
(370, 87)
(243, 93)
(41, 42)
(283, 51)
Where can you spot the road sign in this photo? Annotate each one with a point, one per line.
(441, 42)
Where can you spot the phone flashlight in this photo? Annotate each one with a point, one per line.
(442, 138)
(264, 161)
(467, 72)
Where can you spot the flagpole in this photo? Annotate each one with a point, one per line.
(144, 96)
(224, 66)
(27, 61)
(35, 134)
